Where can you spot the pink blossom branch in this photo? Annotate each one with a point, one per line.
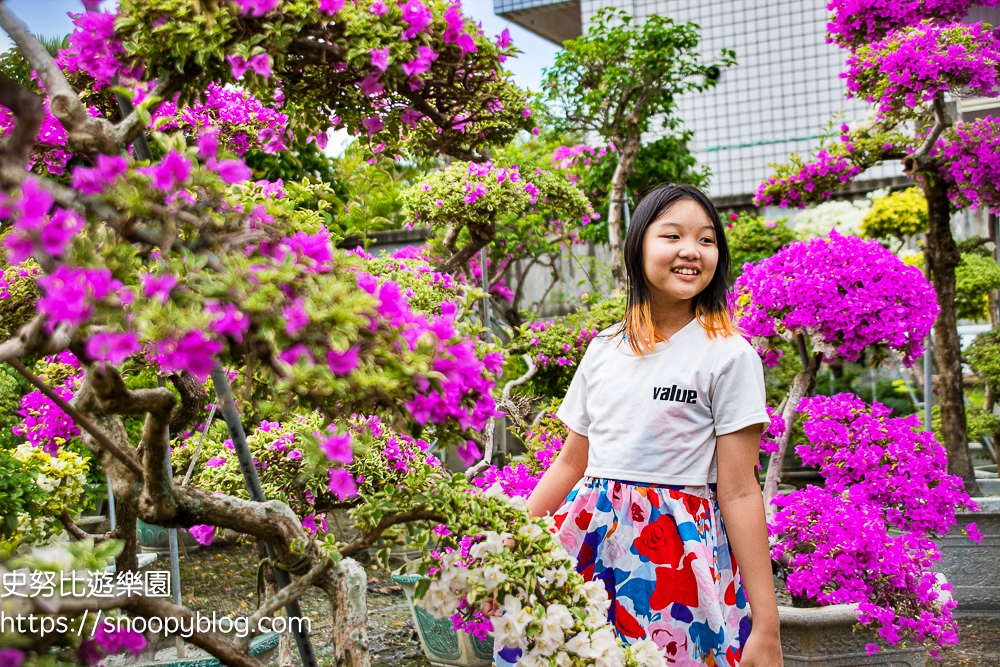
(85, 133)
(83, 422)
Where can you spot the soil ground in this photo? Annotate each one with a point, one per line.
(223, 579)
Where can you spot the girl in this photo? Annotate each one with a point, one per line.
(655, 490)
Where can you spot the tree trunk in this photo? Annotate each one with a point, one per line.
(942, 257)
(801, 385)
(347, 593)
(626, 164)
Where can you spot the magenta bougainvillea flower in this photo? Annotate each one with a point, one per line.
(857, 22)
(970, 153)
(865, 536)
(845, 294)
(912, 65)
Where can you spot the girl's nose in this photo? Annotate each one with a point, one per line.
(689, 252)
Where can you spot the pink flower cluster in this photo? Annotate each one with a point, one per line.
(239, 120)
(518, 479)
(881, 474)
(970, 159)
(567, 354)
(35, 230)
(43, 424)
(567, 157)
(842, 292)
(769, 438)
(913, 64)
(500, 289)
(93, 50)
(856, 22)
(824, 174)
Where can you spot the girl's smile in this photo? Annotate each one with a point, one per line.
(680, 254)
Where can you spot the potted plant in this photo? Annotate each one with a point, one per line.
(860, 549)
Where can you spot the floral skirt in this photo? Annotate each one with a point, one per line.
(663, 556)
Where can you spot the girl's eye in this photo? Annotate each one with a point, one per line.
(708, 238)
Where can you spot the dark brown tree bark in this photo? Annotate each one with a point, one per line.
(942, 257)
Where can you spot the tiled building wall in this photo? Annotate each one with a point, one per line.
(783, 92)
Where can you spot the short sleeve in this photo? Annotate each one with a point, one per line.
(573, 411)
(739, 398)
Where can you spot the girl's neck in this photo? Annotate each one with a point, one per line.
(671, 320)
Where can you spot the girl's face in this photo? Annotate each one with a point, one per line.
(680, 252)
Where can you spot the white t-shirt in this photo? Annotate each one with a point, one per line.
(654, 418)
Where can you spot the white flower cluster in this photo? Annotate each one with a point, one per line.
(568, 628)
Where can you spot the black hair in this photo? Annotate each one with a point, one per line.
(711, 305)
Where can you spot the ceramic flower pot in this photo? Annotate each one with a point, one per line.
(971, 568)
(154, 538)
(441, 643)
(825, 637)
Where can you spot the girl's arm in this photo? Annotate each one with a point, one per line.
(742, 506)
(561, 477)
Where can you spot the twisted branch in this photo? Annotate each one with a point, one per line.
(85, 133)
(921, 157)
(127, 458)
(364, 541)
(286, 595)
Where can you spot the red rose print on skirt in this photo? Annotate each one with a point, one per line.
(660, 543)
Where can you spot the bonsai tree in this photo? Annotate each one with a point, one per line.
(170, 264)
(619, 77)
(530, 213)
(837, 298)
(903, 60)
(866, 535)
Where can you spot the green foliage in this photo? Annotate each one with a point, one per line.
(19, 495)
(899, 215)
(18, 308)
(978, 423)
(298, 161)
(316, 62)
(371, 195)
(49, 486)
(983, 356)
(752, 238)
(564, 338)
(16, 66)
(778, 379)
(975, 277)
(12, 387)
(622, 73)
(666, 160)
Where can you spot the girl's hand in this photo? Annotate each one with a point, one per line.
(491, 607)
(763, 649)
